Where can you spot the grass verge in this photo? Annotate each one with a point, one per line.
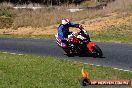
(122, 33)
(30, 71)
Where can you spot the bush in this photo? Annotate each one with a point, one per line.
(6, 11)
(6, 16)
(6, 22)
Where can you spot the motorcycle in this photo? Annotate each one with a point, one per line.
(79, 43)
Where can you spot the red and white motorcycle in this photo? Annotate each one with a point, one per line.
(79, 43)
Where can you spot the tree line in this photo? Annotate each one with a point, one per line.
(44, 2)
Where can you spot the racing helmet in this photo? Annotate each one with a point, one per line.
(65, 21)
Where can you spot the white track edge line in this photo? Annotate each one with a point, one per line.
(105, 66)
(13, 53)
(81, 63)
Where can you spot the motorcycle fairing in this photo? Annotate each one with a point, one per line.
(58, 40)
(90, 46)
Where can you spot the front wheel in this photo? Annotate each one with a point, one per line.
(97, 51)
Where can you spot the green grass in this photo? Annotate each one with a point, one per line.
(31, 71)
(122, 33)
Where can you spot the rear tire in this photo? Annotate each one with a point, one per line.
(97, 51)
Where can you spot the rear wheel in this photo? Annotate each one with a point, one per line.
(97, 51)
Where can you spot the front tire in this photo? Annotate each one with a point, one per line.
(97, 51)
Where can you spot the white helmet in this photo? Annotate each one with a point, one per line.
(65, 21)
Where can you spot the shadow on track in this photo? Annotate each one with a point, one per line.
(83, 55)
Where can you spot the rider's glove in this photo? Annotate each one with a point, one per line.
(79, 26)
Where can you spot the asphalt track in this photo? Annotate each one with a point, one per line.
(116, 55)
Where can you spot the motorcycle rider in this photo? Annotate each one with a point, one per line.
(63, 31)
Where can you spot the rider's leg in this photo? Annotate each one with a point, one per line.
(65, 47)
